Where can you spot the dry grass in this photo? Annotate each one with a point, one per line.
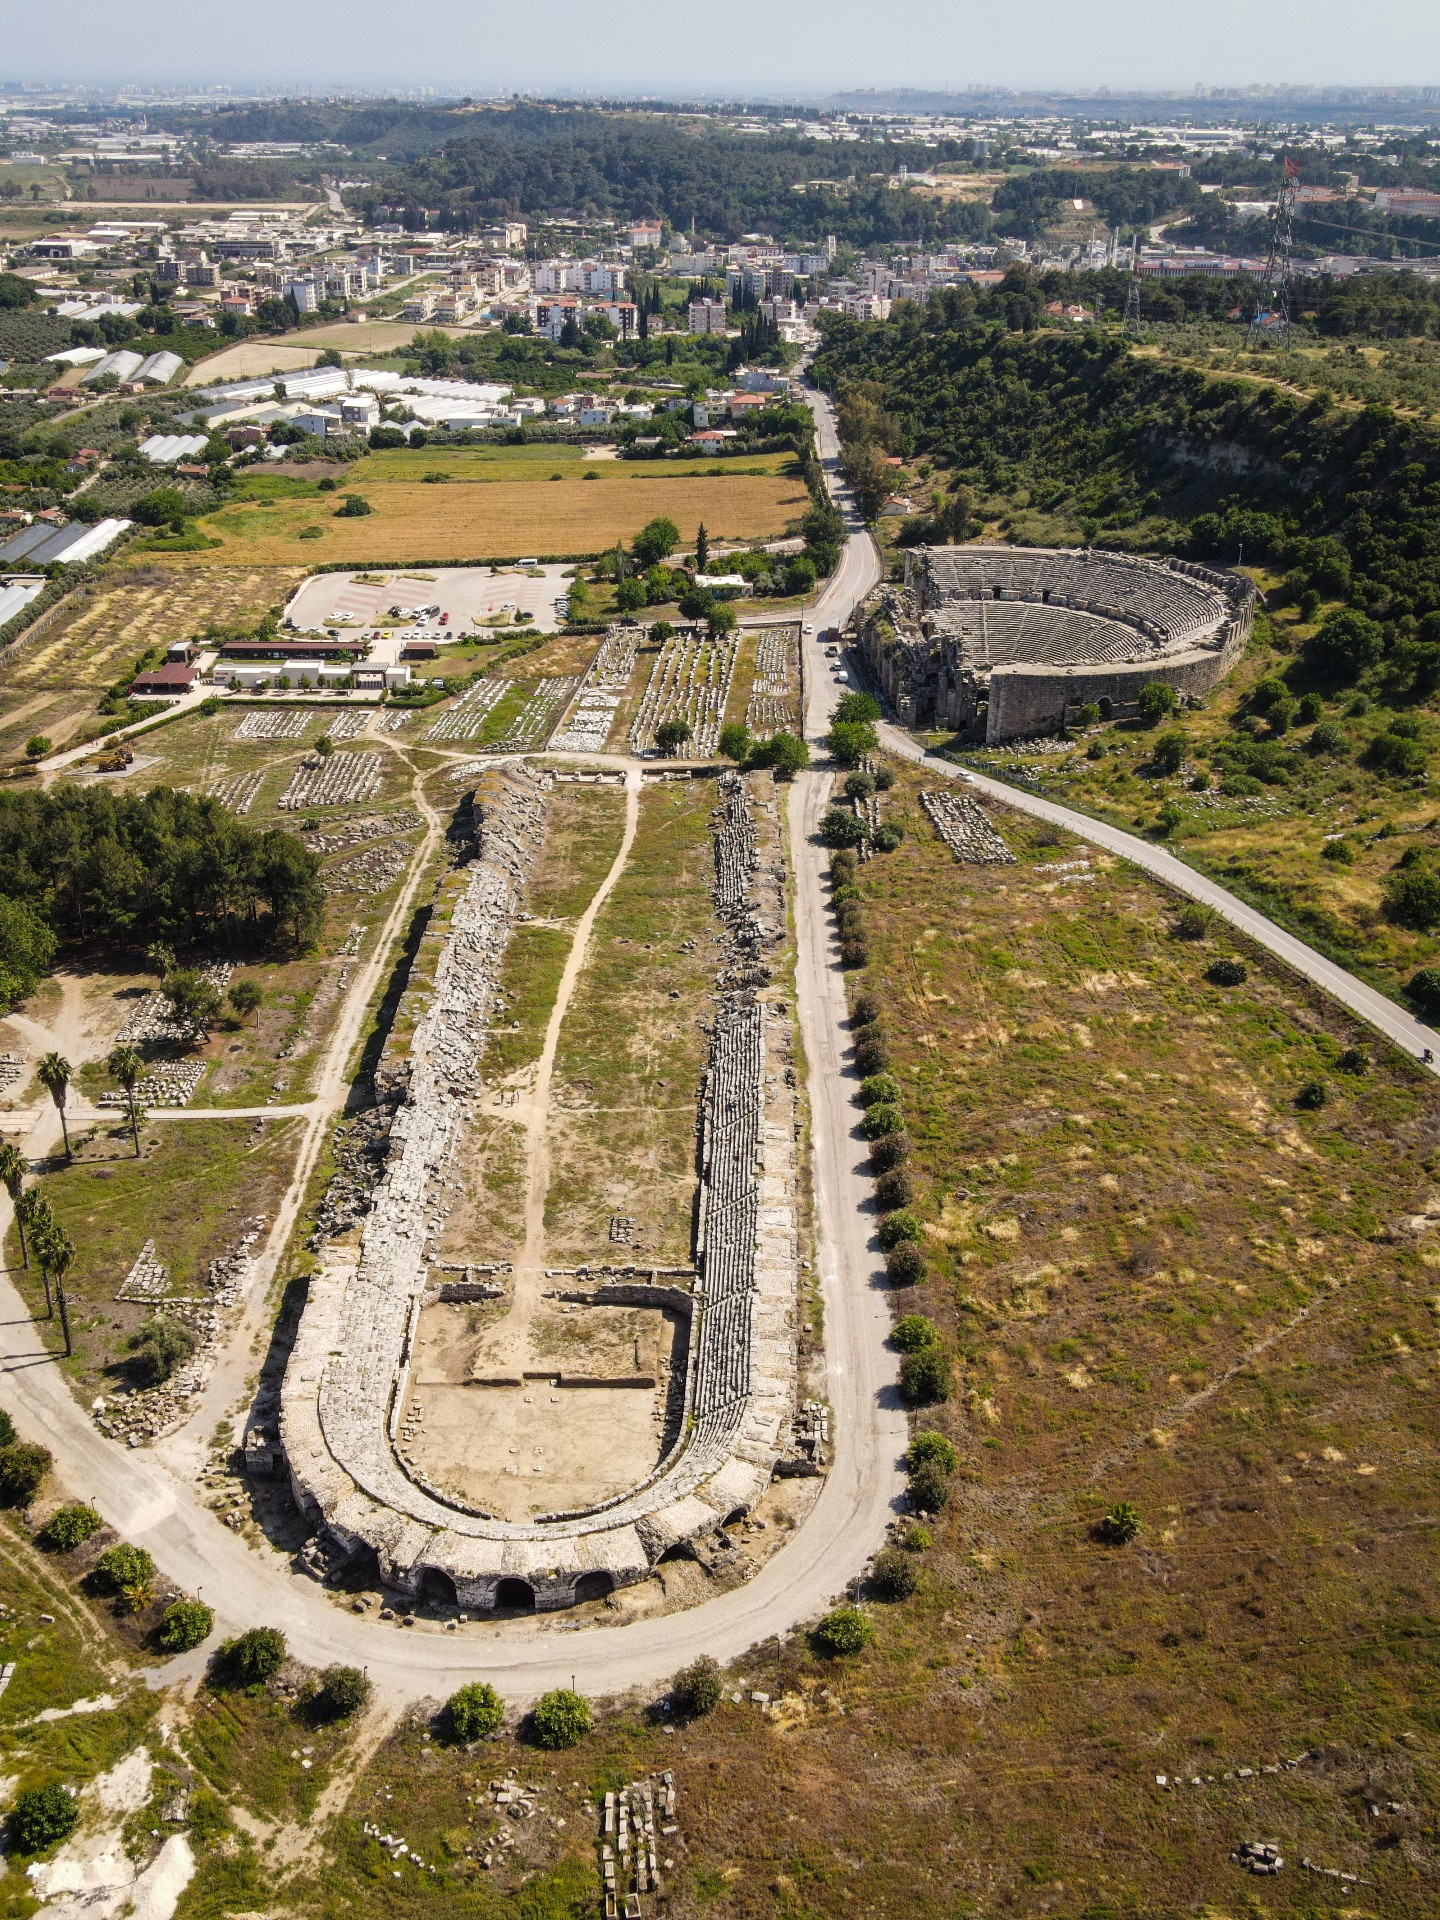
(630, 1055)
(414, 522)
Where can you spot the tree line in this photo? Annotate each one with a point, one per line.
(91, 865)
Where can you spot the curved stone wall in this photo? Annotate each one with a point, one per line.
(1002, 642)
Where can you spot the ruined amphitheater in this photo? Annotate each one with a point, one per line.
(711, 1388)
(1005, 643)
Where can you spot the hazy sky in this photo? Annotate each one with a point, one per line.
(739, 47)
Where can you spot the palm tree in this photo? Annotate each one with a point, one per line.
(160, 958)
(60, 1250)
(53, 1073)
(12, 1173)
(42, 1234)
(125, 1066)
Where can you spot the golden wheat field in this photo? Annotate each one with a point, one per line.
(494, 519)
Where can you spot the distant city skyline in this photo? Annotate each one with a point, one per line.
(805, 50)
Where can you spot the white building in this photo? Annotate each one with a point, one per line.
(708, 316)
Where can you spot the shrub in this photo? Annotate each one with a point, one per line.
(1312, 1095)
(37, 746)
(844, 864)
(735, 742)
(1154, 700)
(560, 1719)
(1340, 851)
(1329, 737)
(41, 1817)
(1169, 819)
(854, 951)
(355, 508)
(1424, 989)
(891, 1150)
(1119, 1526)
(887, 836)
(846, 895)
(1394, 752)
(22, 1472)
(931, 1449)
(877, 1088)
(671, 735)
(929, 1489)
(473, 1711)
(881, 1119)
(844, 1630)
(859, 786)
(893, 1575)
(917, 1539)
(905, 1265)
(68, 1528)
(7, 1429)
(160, 1346)
(898, 1227)
(884, 779)
(255, 1657)
(1195, 921)
(871, 1053)
(1412, 897)
(841, 829)
(695, 1690)
(925, 1377)
(1227, 973)
(866, 1010)
(1311, 708)
(894, 1189)
(342, 1691)
(1168, 753)
(122, 1569)
(913, 1331)
(183, 1625)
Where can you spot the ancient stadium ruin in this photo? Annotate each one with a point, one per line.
(1004, 643)
(394, 1448)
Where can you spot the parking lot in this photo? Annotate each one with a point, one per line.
(390, 605)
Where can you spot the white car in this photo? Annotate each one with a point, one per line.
(809, 626)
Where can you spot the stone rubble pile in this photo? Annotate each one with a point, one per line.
(153, 1019)
(168, 1083)
(532, 725)
(238, 793)
(392, 720)
(689, 681)
(139, 1415)
(342, 779)
(966, 830)
(371, 871)
(345, 725)
(273, 725)
(633, 1823)
(340, 835)
(147, 1279)
(772, 703)
(12, 1068)
(462, 719)
(587, 726)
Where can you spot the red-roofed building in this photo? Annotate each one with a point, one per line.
(166, 683)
